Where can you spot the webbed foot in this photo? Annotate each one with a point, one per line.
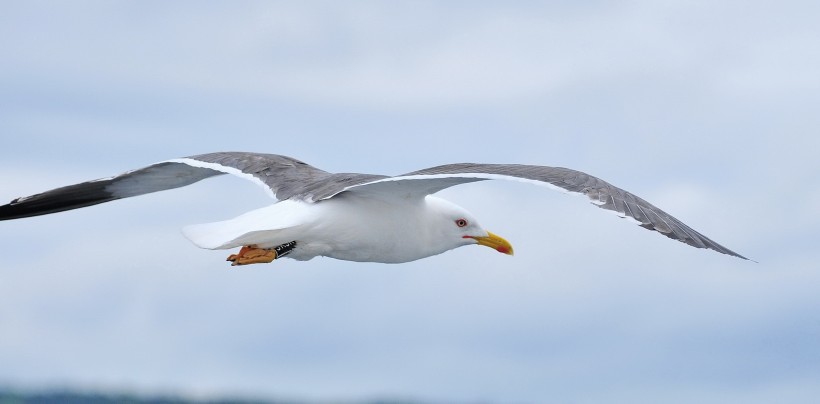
(252, 255)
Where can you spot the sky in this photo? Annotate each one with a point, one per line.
(706, 109)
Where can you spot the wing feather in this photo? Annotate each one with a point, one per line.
(600, 193)
(283, 177)
(287, 177)
(156, 177)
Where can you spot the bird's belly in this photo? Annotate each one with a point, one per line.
(381, 250)
(361, 245)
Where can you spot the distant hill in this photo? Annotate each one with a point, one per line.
(69, 397)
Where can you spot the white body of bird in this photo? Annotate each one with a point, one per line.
(348, 227)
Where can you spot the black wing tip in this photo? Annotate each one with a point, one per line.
(12, 211)
(36, 205)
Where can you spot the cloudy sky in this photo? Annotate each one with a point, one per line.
(707, 109)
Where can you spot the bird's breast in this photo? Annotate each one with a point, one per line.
(363, 229)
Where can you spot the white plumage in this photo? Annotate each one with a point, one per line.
(352, 228)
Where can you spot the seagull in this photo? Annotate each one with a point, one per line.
(348, 216)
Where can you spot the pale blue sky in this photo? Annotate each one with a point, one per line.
(708, 110)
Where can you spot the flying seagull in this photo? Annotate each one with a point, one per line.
(354, 217)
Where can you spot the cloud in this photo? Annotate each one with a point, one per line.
(427, 56)
(702, 109)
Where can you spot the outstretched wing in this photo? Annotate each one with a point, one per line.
(600, 192)
(283, 177)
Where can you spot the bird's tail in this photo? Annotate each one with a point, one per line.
(263, 227)
(213, 236)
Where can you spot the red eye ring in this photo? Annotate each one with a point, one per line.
(461, 222)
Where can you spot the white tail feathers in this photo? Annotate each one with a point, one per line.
(264, 227)
(213, 236)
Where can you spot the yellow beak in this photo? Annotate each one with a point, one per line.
(495, 242)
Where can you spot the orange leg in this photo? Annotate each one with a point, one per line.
(252, 255)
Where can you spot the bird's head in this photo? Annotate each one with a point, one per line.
(458, 227)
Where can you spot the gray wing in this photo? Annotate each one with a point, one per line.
(600, 192)
(282, 176)
(286, 177)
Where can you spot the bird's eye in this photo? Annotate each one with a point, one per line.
(461, 222)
